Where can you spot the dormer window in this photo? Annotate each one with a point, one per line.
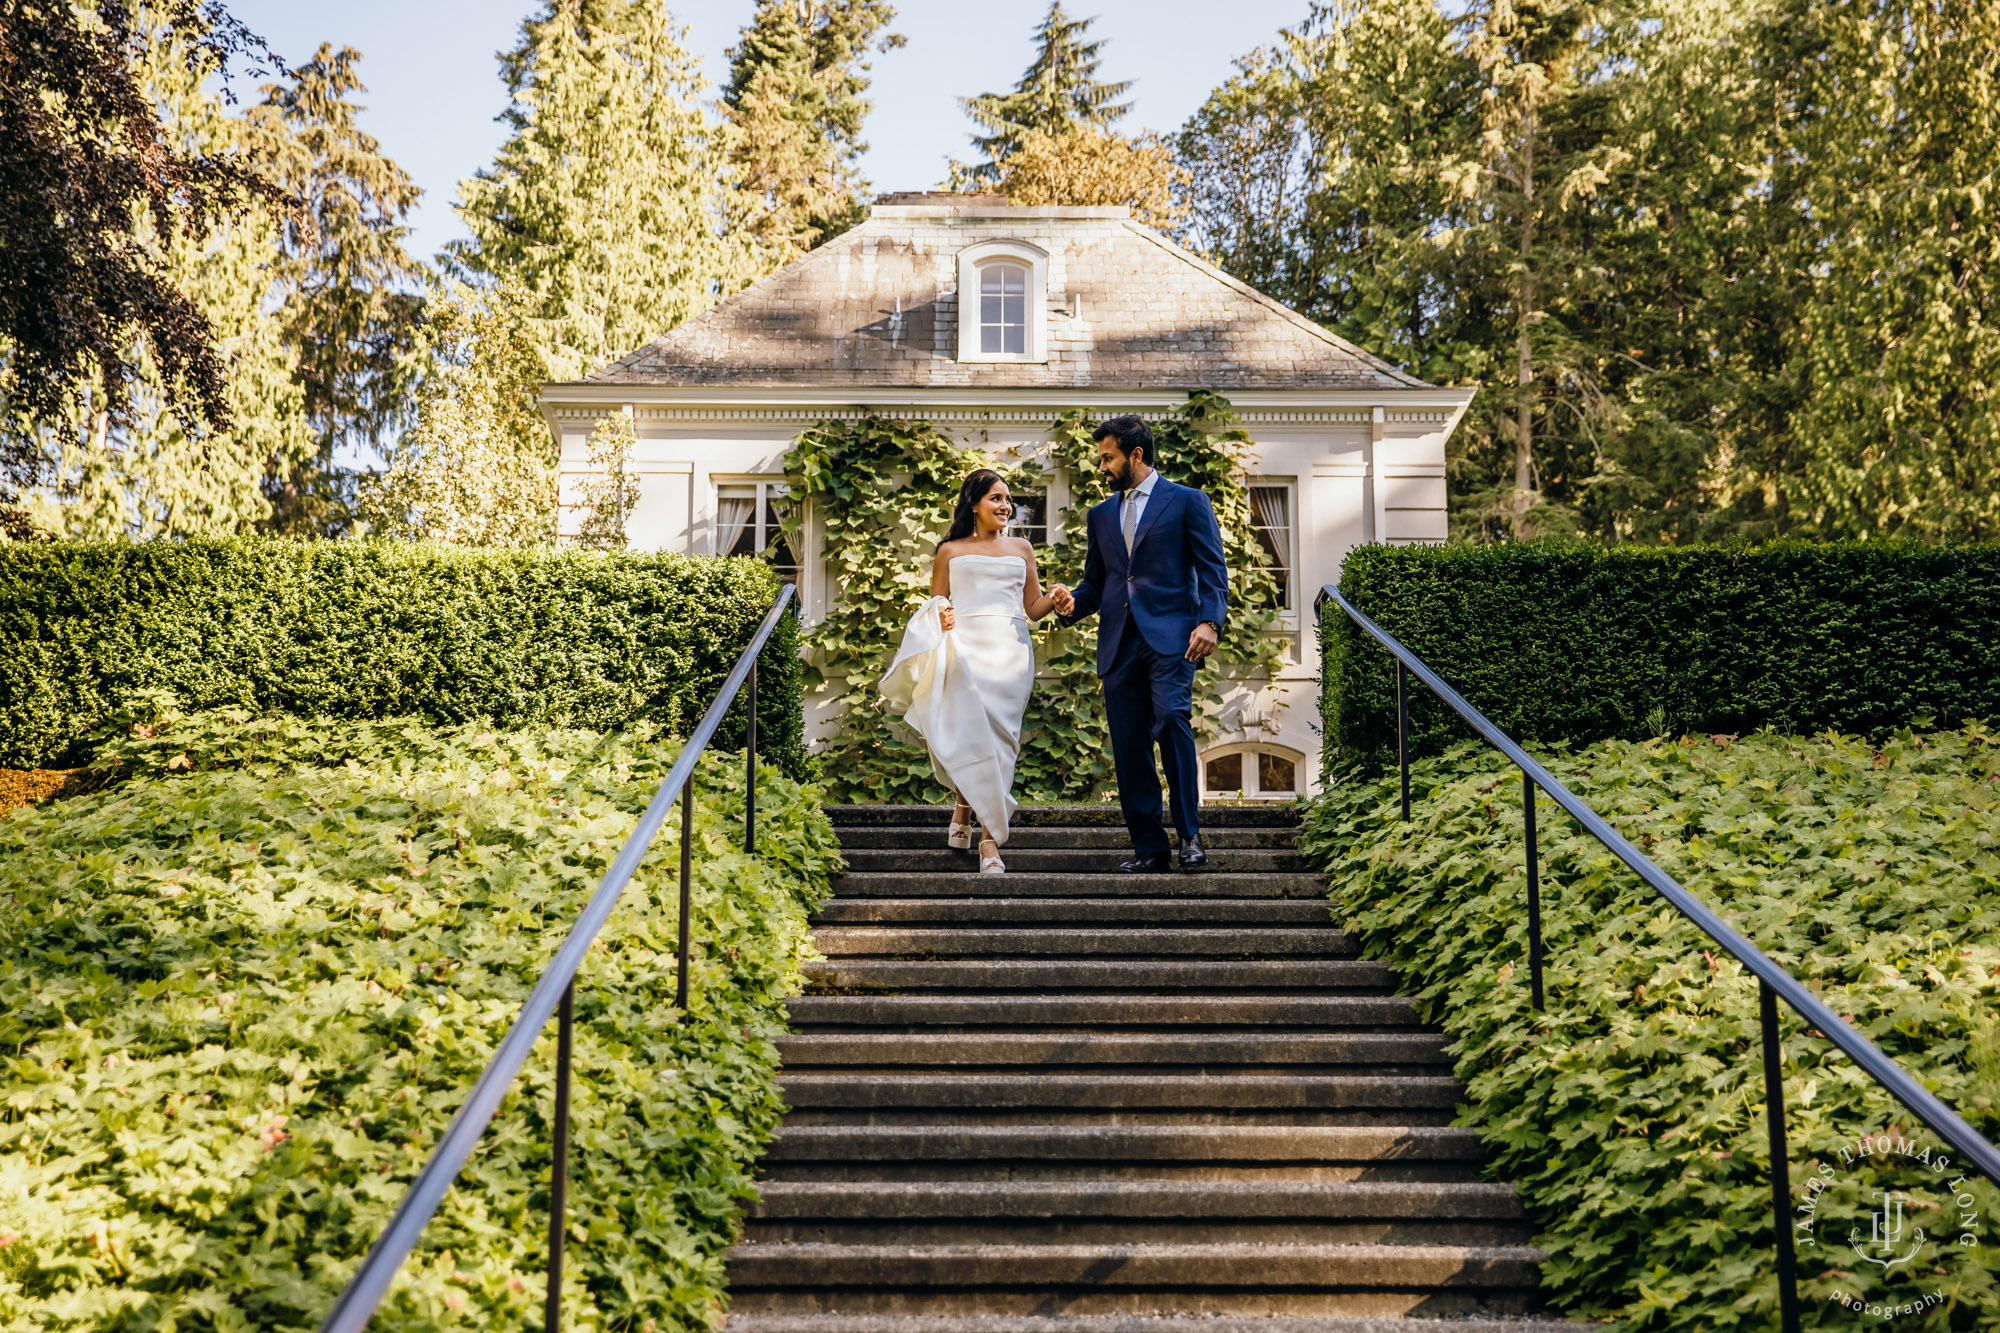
(1003, 309)
(1003, 302)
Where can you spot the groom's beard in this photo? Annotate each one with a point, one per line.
(1121, 479)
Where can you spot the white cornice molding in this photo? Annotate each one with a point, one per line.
(576, 404)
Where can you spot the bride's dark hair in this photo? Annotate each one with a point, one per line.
(969, 495)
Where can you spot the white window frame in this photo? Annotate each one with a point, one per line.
(970, 261)
(1252, 789)
(1288, 614)
(763, 486)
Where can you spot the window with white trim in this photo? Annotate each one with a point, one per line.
(1252, 771)
(1273, 521)
(750, 519)
(1003, 302)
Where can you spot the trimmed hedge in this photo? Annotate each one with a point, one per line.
(378, 629)
(246, 990)
(1584, 642)
(1630, 1115)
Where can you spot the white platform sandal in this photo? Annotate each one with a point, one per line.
(958, 836)
(991, 865)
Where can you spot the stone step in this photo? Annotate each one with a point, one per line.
(1088, 1229)
(1168, 1278)
(1083, 1047)
(959, 1142)
(1073, 860)
(1017, 1200)
(1048, 884)
(1192, 974)
(1084, 942)
(1260, 1011)
(1104, 1091)
(1131, 1323)
(1246, 815)
(871, 837)
(1077, 911)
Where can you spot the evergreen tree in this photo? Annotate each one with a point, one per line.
(350, 305)
(795, 99)
(1889, 149)
(1540, 155)
(604, 203)
(1057, 95)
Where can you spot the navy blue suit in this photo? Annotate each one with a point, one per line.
(1151, 601)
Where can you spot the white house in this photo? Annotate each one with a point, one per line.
(1078, 308)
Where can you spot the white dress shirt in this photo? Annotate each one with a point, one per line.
(1132, 508)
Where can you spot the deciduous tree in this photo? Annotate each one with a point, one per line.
(477, 465)
(1092, 166)
(609, 489)
(89, 174)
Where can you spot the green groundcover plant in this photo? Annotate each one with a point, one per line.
(375, 629)
(1579, 641)
(1631, 1114)
(243, 992)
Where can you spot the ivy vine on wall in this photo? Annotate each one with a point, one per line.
(883, 490)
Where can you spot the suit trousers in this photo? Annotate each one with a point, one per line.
(1149, 700)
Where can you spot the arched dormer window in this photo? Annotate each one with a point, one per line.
(1002, 302)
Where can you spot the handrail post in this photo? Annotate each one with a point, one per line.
(687, 892)
(750, 770)
(1781, 1168)
(559, 1167)
(1403, 739)
(1534, 891)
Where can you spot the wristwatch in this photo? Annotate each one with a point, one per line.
(1212, 625)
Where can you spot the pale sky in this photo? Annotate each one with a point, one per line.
(434, 87)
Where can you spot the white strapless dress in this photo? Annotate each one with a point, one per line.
(966, 692)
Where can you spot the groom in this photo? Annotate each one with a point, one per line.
(1155, 569)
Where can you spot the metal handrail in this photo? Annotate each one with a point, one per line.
(1774, 982)
(556, 990)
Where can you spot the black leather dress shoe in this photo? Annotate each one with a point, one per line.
(1147, 865)
(1192, 855)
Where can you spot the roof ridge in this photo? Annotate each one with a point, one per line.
(1272, 303)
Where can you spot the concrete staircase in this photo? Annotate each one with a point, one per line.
(1071, 1099)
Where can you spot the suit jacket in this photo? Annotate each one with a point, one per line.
(1174, 579)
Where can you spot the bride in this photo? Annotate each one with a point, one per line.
(966, 665)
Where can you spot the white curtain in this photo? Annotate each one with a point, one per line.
(732, 514)
(1271, 508)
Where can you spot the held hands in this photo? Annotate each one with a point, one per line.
(1201, 642)
(1062, 599)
